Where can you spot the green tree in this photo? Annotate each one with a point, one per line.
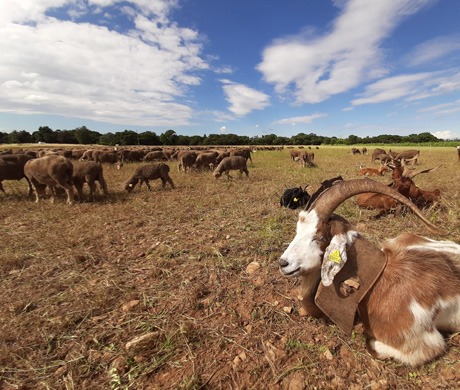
(66, 137)
(44, 134)
(107, 139)
(85, 136)
(129, 137)
(19, 137)
(169, 137)
(149, 138)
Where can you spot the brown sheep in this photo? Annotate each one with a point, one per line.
(206, 160)
(50, 171)
(103, 156)
(156, 155)
(376, 154)
(243, 152)
(88, 172)
(231, 163)
(148, 172)
(186, 160)
(12, 168)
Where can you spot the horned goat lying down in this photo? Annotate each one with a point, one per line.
(153, 171)
(405, 292)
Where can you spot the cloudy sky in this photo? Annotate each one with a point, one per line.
(329, 67)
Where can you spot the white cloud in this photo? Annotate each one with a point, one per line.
(445, 134)
(443, 109)
(243, 99)
(299, 119)
(410, 87)
(319, 67)
(391, 88)
(85, 70)
(433, 49)
(223, 129)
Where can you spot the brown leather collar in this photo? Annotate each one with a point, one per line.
(340, 300)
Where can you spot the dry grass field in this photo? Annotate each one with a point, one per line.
(151, 290)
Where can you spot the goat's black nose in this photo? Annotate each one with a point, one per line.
(283, 263)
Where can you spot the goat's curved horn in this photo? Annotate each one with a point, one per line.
(411, 173)
(341, 190)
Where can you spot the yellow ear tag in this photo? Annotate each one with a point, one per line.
(335, 256)
(295, 200)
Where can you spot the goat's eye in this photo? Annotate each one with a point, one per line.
(320, 238)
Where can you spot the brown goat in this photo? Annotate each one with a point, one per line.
(186, 160)
(113, 158)
(403, 183)
(380, 171)
(148, 172)
(12, 168)
(88, 172)
(406, 291)
(50, 171)
(231, 163)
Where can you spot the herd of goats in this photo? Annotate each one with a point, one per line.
(405, 291)
(72, 168)
(68, 168)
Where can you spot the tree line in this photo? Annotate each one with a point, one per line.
(84, 136)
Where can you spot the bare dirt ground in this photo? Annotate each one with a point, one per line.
(180, 289)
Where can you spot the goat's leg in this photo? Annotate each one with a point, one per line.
(92, 189)
(415, 351)
(171, 183)
(103, 185)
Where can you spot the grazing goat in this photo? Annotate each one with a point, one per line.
(243, 152)
(186, 159)
(148, 172)
(410, 156)
(12, 168)
(206, 160)
(113, 158)
(156, 155)
(232, 163)
(307, 158)
(50, 171)
(376, 154)
(295, 154)
(355, 151)
(458, 153)
(405, 292)
(88, 172)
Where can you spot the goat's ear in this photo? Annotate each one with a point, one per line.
(335, 257)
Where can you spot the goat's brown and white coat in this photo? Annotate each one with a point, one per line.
(416, 295)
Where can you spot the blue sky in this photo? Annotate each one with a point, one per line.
(248, 67)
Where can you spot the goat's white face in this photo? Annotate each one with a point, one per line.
(303, 254)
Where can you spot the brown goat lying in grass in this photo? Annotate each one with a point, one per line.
(50, 171)
(88, 172)
(148, 172)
